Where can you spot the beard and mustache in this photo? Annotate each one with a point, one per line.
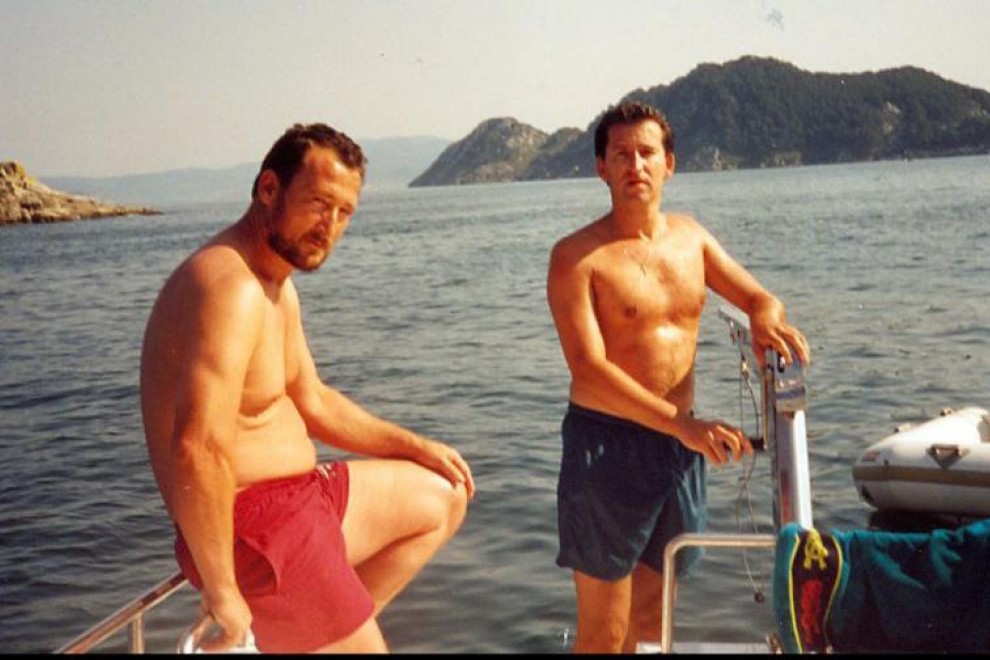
(301, 253)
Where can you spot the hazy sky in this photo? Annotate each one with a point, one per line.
(108, 87)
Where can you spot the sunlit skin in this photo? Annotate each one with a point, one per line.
(231, 396)
(626, 293)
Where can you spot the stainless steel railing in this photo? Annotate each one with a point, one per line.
(707, 540)
(130, 615)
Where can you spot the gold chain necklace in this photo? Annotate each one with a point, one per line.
(641, 262)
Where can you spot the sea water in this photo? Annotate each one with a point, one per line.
(432, 313)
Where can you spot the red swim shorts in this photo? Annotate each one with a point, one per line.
(291, 563)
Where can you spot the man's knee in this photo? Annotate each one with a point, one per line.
(444, 503)
(455, 500)
(606, 635)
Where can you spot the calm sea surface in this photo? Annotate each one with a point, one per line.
(432, 313)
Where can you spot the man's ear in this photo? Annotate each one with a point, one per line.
(600, 168)
(671, 165)
(268, 187)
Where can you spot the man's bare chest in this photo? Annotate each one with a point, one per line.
(634, 284)
(270, 366)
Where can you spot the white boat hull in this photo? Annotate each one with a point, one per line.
(940, 466)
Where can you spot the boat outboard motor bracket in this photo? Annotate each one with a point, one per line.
(784, 432)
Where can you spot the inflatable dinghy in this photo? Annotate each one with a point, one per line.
(940, 466)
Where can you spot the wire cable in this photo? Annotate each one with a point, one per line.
(745, 378)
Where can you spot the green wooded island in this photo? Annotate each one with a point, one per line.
(748, 113)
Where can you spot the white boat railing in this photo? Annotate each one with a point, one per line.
(130, 615)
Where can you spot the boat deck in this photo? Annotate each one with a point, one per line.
(706, 648)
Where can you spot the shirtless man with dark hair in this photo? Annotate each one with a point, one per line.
(305, 555)
(626, 293)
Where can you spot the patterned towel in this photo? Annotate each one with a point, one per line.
(877, 591)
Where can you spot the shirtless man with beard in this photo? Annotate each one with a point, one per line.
(304, 554)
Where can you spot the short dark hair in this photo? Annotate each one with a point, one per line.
(630, 112)
(286, 155)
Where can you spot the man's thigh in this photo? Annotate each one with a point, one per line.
(390, 500)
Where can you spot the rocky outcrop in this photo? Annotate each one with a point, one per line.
(23, 199)
(543, 165)
(497, 150)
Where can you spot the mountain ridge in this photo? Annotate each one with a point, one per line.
(392, 163)
(747, 113)
(756, 112)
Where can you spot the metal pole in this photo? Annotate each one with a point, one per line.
(784, 401)
(135, 634)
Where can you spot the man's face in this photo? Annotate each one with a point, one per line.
(310, 216)
(635, 165)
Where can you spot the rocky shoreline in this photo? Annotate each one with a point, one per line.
(24, 200)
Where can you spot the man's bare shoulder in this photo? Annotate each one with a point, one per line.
(683, 222)
(219, 261)
(693, 234)
(216, 275)
(573, 247)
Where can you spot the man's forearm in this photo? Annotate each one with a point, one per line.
(344, 424)
(202, 504)
(626, 396)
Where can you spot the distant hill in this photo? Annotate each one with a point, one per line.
(497, 150)
(392, 163)
(190, 185)
(761, 112)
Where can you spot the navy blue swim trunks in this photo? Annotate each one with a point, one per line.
(623, 492)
